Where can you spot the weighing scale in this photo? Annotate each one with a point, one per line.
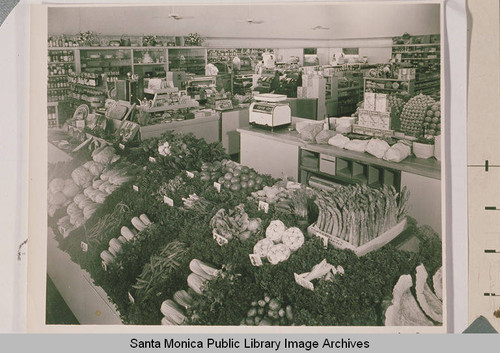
(267, 111)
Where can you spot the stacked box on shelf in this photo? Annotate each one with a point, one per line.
(426, 59)
(61, 63)
(375, 119)
(389, 85)
(343, 92)
(242, 84)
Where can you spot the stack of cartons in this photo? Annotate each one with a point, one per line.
(375, 117)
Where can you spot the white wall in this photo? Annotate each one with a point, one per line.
(227, 23)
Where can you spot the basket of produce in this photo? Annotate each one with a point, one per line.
(360, 218)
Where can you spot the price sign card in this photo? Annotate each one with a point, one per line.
(168, 201)
(263, 206)
(135, 187)
(84, 246)
(217, 186)
(219, 239)
(324, 239)
(299, 279)
(255, 260)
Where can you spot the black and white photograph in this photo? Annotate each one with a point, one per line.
(246, 164)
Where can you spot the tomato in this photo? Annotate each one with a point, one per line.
(259, 180)
(245, 169)
(221, 180)
(251, 183)
(235, 180)
(235, 187)
(244, 184)
(228, 176)
(227, 184)
(244, 177)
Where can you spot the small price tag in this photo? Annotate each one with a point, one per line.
(299, 279)
(121, 146)
(104, 266)
(219, 239)
(189, 174)
(135, 187)
(255, 259)
(217, 186)
(84, 246)
(263, 206)
(152, 159)
(131, 298)
(168, 201)
(324, 239)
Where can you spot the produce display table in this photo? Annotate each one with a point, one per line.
(88, 302)
(165, 232)
(206, 128)
(278, 153)
(429, 168)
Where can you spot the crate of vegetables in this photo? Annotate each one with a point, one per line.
(360, 218)
(374, 244)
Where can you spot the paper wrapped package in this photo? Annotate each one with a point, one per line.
(302, 124)
(338, 140)
(397, 152)
(377, 148)
(343, 127)
(324, 136)
(309, 132)
(356, 145)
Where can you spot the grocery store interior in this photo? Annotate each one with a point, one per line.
(236, 164)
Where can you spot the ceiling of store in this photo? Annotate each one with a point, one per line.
(291, 21)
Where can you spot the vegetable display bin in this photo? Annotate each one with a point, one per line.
(366, 248)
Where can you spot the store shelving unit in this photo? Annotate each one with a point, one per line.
(426, 58)
(385, 85)
(195, 86)
(242, 84)
(190, 59)
(343, 91)
(61, 63)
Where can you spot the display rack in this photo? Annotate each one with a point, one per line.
(386, 85)
(53, 114)
(343, 92)
(426, 58)
(329, 170)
